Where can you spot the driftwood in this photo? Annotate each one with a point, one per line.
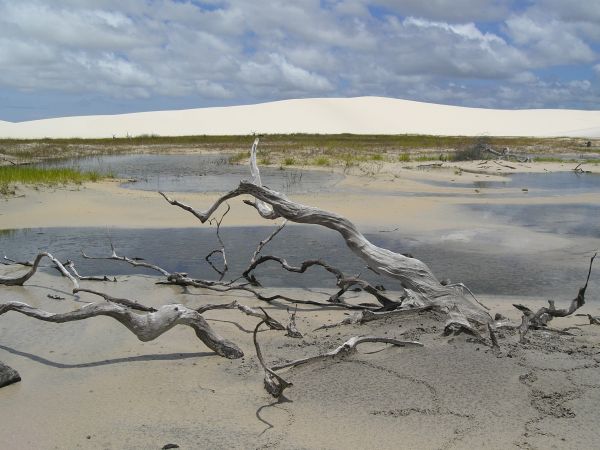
(19, 281)
(291, 328)
(265, 241)
(342, 281)
(420, 289)
(221, 250)
(347, 348)
(8, 375)
(274, 384)
(541, 318)
(136, 262)
(365, 315)
(421, 286)
(506, 154)
(146, 326)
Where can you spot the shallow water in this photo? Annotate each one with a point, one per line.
(575, 219)
(184, 250)
(538, 184)
(197, 173)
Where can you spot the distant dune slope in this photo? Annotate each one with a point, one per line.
(361, 115)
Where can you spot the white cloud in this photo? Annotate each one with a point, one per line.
(549, 41)
(459, 11)
(262, 50)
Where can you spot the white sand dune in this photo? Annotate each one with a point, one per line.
(361, 115)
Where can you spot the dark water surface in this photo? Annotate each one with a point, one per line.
(184, 250)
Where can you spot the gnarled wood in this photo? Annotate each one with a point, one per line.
(544, 315)
(421, 286)
(146, 326)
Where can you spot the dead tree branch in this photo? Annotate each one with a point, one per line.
(421, 286)
(274, 384)
(347, 348)
(134, 262)
(146, 326)
(19, 281)
(121, 301)
(71, 265)
(292, 330)
(540, 319)
(265, 241)
(221, 250)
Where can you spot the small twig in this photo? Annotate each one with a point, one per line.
(265, 241)
(292, 330)
(220, 250)
(134, 262)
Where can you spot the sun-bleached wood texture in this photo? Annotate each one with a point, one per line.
(147, 326)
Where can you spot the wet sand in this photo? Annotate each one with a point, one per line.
(92, 384)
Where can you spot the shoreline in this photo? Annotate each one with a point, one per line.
(102, 388)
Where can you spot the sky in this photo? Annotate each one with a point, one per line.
(80, 57)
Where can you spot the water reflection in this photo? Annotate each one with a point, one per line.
(197, 173)
(184, 250)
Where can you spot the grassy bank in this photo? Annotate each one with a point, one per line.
(296, 149)
(36, 176)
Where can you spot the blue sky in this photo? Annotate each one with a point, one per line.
(76, 57)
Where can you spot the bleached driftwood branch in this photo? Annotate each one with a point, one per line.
(545, 314)
(421, 286)
(20, 280)
(146, 326)
(221, 250)
(137, 262)
(347, 348)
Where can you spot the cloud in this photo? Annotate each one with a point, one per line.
(458, 11)
(142, 52)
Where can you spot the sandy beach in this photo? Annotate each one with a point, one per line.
(92, 384)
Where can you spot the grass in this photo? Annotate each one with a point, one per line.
(10, 175)
(305, 149)
(322, 161)
(289, 161)
(239, 157)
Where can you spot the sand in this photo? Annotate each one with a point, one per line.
(360, 115)
(92, 384)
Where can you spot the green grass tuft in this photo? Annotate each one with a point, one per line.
(322, 161)
(43, 176)
(404, 157)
